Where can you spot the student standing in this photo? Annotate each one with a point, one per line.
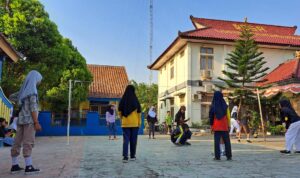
(151, 119)
(110, 121)
(130, 114)
(27, 123)
(180, 116)
(169, 122)
(219, 116)
(292, 136)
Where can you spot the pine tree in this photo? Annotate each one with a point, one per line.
(245, 64)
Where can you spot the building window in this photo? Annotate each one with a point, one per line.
(206, 58)
(172, 69)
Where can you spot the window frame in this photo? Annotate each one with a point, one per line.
(206, 56)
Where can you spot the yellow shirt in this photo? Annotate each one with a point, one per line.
(132, 120)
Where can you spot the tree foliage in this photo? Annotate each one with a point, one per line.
(31, 32)
(146, 94)
(245, 64)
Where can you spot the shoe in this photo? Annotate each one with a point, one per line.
(132, 158)
(297, 152)
(31, 170)
(217, 159)
(229, 159)
(125, 160)
(249, 141)
(15, 169)
(285, 152)
(188, 144)
(153, 138)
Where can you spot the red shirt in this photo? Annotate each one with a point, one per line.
(220, 124)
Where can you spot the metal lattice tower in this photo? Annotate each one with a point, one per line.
(151, 38)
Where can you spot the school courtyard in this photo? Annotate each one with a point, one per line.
(99, 157)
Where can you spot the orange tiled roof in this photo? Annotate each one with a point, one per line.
(229, 31)
(108, 81)
(285, 71)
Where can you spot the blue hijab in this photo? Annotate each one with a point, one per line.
(29, 85)
(218, 105)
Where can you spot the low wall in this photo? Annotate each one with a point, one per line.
(93, 126)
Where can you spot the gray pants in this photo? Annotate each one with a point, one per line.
(25, 137)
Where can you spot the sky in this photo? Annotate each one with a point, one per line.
(116, 32)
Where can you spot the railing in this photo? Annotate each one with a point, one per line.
(5, 106)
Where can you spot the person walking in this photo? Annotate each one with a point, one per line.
(246, 116)
(151, 119)
(234, 123)
(219, 116)
(292, 136)
(110, 121)
(27, 123)
(130, 114)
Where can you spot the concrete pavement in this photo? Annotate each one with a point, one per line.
(99, 157)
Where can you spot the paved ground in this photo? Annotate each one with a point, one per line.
(99, 157)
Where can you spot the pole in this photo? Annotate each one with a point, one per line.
(261, 116)
(69, 112)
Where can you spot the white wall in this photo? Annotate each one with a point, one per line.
(188, 68)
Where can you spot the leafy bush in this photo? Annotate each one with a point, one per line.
(196, 125)
(276, 130)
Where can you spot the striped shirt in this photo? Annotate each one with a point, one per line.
(29, 105)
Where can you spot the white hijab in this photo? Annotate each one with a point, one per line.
(29, 85)
(234, 109)
(151, 112)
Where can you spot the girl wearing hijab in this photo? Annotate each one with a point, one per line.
(292, 136)
(234, 123)
(180, 116)
(219, 116)
(110, 121)
(27, 123)
(151, 119)
(130, 114)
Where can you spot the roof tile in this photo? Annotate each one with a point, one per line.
(108, 81)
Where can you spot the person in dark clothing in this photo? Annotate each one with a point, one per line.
(180, 116)
(130, 114)
(292, 136)
(246, 116)
(180, 135)
(151, 119)
(5, 133)
(219, 116)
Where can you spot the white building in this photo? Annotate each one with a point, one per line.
(190, 66)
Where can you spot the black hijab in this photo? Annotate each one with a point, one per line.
(111, 111)
(129, 102)
(218, 105)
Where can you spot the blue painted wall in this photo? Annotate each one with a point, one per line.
(93, 126)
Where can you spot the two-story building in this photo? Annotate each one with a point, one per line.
(190, 66)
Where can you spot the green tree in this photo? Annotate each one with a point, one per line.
(146, 94)
(29, 29)
(245, 65)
